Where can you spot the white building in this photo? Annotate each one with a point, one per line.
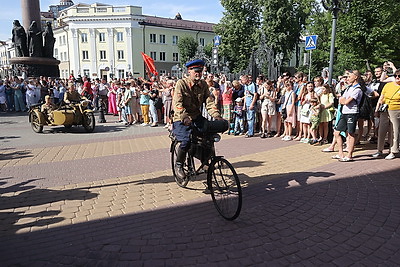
(101, 40)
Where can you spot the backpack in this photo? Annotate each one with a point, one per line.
(365, 106)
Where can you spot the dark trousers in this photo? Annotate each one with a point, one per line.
(182, 132)
(200, 124)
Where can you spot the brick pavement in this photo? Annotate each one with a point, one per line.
(300, 207)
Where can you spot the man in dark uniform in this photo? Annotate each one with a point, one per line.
(189, 95)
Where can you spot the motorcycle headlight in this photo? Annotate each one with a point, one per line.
(217, 138)
(84, 103)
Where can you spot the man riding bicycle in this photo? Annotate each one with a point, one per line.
(189, 95)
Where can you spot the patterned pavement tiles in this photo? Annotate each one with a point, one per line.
(327, 217)
(145, 219)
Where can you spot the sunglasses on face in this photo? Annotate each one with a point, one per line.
(397, 76)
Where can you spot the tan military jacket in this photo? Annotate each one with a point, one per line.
(189, 98)
(74, 96)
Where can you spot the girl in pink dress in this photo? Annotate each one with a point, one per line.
(290, 121)
(227, 102)
(112, 99)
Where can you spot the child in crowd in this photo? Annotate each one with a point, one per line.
(314, 119)
(238, 112)
(289, 106)
(227, 101)
(327, 112)
(145, 104)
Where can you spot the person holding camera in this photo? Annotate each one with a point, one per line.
(389, 102)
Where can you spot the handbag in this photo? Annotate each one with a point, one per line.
(383, 108)
(305, 110)
(284, 113)
(284, 110)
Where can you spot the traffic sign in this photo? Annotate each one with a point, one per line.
(311, 42)
(217, 40)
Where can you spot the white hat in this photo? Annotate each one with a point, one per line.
(239, 99)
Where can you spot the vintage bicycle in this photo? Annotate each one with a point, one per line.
(222, 180)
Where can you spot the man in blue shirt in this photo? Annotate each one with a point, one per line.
(251, 96)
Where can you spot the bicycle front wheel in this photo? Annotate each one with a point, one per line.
(225, 189)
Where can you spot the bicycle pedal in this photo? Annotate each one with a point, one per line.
(206, 190)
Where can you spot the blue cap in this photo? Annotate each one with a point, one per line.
(197, 63)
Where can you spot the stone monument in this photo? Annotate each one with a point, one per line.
(32, 56)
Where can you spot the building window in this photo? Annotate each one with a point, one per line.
(65, 56)
(61, 57)
(86, 73)
(101, 9)
(175, 40)
(120, 36)
(103, 54)
(84, 37)
(175, 57)
(162, 38)
(202, 41)
(153, 38)
(56, 53)
(85, 55)
(153, 55)
(121, 74)
(162, 56)
(120, 54)
(102, 37)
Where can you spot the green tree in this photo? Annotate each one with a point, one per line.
(283, 22)
(187, 47)
(369, 32)
(238, 28)
(319, 23)
(208, 49)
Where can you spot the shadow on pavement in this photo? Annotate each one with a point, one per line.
(23, 195)
(353, 219)
(80, 130)
(13, 114)
(14, 154)
(9, 137)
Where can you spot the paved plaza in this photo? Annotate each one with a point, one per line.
(109, 199)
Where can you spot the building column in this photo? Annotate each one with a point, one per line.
(76, 57)
(111, 50)
(93, 52)
(129, 51)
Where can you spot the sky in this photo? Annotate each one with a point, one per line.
(205, 10)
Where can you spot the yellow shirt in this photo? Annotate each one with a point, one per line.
(391, 95)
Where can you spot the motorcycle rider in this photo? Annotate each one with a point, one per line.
(72, 95)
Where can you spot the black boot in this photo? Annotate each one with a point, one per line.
(180, 159)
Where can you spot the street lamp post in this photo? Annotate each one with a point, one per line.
(278, 60)
(335, 6)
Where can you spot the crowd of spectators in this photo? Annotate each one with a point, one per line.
(292, 107)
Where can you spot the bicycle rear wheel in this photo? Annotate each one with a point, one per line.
(174, 151)
(225, 189)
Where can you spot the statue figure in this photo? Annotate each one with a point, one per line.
(19, 39)
(49, 41)
(35, 40)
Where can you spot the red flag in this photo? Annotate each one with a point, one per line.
(149, 64)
